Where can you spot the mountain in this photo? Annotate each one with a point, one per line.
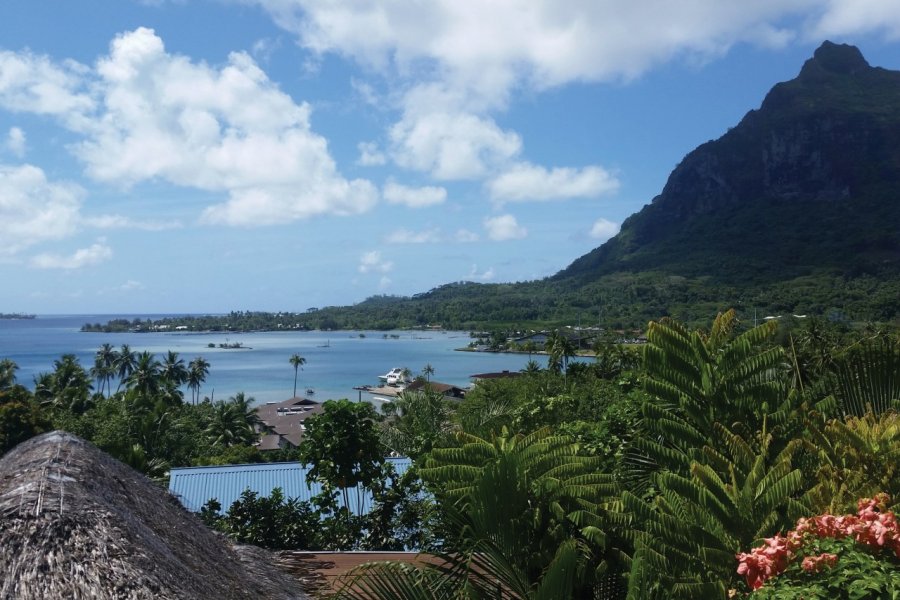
(795, 209)
(807, 184)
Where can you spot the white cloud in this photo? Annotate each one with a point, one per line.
(603, 229)
(92, 255)
(504, 227)
(413, 197)
(405, 236)
(526, 182)
(384, 283)
(464, 236)
(370, 155)
(451, 145)
(15, 141)
(161, 116)
(456, 63)
(122, 222)
(35, 84)
(486, 275)
(371, 262)
(33, 209)
(846, 17)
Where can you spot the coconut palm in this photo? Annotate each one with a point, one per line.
(68, 387)
(7, 373)
(198, 369)
(228, 424)
(296, 361)
(428, 371)
(124, 364)
(145, 377)
(173, 369)
(104, 368)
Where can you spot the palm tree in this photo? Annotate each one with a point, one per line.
(173, 369)
(7, 373)
(428, 371)
(124, 364)
(198, 369)
(145, 377)
(296, 361)
(228, 424)
(105, 366)
(67, 388)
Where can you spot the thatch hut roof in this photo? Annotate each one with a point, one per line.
(76, 523)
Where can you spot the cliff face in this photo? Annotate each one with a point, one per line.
(809, 181)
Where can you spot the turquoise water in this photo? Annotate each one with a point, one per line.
(263, 372)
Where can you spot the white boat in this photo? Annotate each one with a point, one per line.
(394, 377)
(396, 371)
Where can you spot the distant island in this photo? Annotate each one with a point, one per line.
(12, 316)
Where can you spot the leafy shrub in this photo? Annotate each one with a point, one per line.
(849, 556)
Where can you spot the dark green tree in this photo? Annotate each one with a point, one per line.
(297, 362)
(343, 449)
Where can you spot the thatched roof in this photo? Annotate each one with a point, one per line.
(76, 523)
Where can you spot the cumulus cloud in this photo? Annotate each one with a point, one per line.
(35, 84)
(845, 17)
(33, 209)
(371, 262)
(92, 255)
(15, 141)
(152, 115)
(525, 182)
(452, 144)
(370, 155)
(603, 229)
(413, 197)
(458, 62)
(504, 227)
(405, 236)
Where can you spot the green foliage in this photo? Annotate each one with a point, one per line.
(342, 447)
(525, 491)
(522, 516)
(861, 573)
(417, 422)
(688, 536)
(20, 417)
(857, 457)
(269, 521)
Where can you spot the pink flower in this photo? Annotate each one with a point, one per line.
(872, 526)
(814, 564)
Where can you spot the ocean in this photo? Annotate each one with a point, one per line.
(336, 361)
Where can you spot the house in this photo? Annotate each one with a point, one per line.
(281, 423)
(498, 375)
(449, 391)
(195, 486)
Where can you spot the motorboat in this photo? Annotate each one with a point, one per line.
(392, 374)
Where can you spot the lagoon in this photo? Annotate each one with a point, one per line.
(336, 361)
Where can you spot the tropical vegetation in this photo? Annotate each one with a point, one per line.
(667, 471)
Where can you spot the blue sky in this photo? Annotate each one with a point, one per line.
(216, 155)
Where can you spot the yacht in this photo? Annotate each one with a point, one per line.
(394, 376)
(392, 373)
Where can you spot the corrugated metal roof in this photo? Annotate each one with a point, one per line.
(195, 486)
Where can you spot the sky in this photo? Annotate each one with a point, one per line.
(203, 156)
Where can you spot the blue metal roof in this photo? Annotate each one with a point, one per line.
(195, 486)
